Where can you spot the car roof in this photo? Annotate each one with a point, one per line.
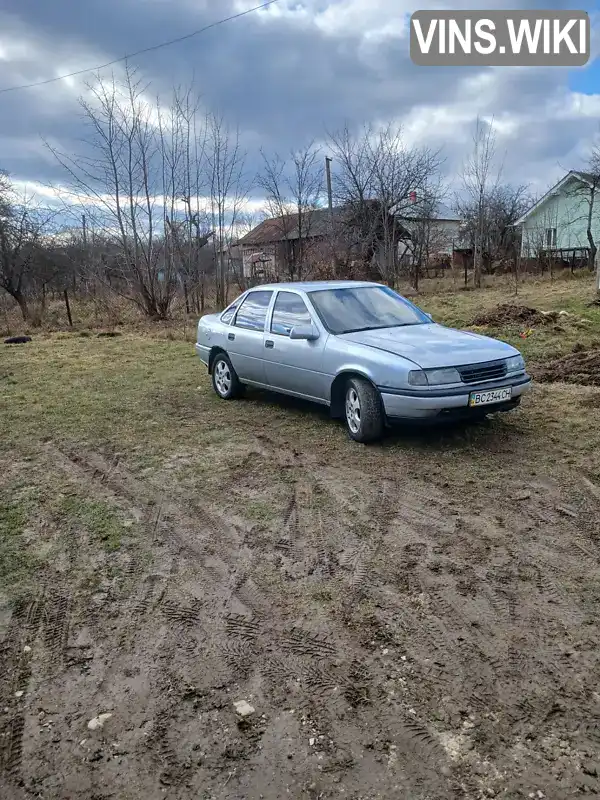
(312, 286)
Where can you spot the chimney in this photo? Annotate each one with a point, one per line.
(413, 197)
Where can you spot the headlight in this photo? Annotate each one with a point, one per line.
(433, 377)
(417, 378)
(438, 377)
(515, 364)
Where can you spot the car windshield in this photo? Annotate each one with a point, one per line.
(364, 308)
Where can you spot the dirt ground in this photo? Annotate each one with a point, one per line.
(510, 313)
(396, 637)
(414, 620)
(581, 367)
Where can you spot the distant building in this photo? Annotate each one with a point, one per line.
(276, 247)
(274, 244)
(557, 223)
(434, 225)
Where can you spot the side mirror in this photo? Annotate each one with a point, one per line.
(306, 332)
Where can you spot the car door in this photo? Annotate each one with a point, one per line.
(245, 338)
(294, 365)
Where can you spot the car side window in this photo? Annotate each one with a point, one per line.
(289, 310)
(252, 314)
(229, 313)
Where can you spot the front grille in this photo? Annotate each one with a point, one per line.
(477, 373)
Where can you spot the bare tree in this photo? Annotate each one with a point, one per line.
(375, 174)
(246, 222)
(479, 184)
(488, 222)
(292, 190)
(594, 174)
(26, 266)
(229, 188)
(183, 140)
(127, 183)
(587, 191)
(504, 207)
(430, 239)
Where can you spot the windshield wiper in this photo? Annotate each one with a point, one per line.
(358, 330)
(381, 327)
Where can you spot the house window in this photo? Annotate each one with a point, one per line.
(550, 237)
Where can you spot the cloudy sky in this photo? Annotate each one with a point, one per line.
(287, 73)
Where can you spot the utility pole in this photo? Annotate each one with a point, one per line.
(328, 161)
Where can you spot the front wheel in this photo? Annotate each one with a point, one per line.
(224, 378)
(364, 413)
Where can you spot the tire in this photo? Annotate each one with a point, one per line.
(363, 411)
(225, 381)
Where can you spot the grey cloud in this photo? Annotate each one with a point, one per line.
(282, 82)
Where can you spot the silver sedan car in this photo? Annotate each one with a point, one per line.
(361, 349)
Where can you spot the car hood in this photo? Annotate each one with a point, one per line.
(433, 345)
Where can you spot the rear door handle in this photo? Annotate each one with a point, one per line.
(231, 336)
(270, 343)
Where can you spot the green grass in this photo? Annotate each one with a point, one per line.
(126, 390)
(17, 563)
(259, 511)
(97, 517)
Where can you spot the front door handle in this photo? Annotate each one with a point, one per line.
(231, 336)
(269, 343)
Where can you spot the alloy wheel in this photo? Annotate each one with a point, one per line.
(353, 410)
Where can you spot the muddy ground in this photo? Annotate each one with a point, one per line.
(513, 313)
(398, 635)
(582, 367)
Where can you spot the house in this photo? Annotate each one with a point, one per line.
(435, 229)
(293, 244)
(268, 249)
(557, 224)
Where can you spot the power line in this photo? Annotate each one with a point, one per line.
(140, 52)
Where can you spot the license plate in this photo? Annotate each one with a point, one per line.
(490, 396)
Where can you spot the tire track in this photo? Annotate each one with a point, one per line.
(320, 681)
(171, 771)
(56, 624)
(290, 527)
(303, 643)
(239, 625)
(358, 685)
(183, 615)
(15, 676)
(241, 657)
(358, 563)
(210, 543)
(11, 747)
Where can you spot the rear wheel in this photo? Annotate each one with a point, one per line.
(364, 414)
(224, 378)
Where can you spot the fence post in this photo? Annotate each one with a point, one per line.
(68, 308)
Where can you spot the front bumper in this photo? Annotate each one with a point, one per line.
(438, 402)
